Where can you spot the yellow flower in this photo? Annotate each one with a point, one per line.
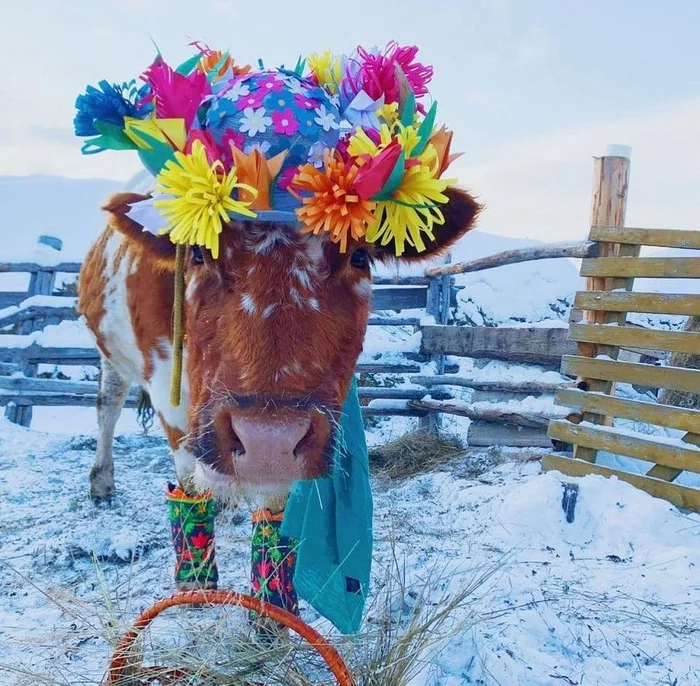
(201, 198)
(413, 210)
(390, 112)
(326, 67)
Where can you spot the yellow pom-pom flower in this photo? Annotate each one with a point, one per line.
(201, 198)
(413, 210)
(327, 69)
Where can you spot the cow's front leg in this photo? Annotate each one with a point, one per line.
(110, 400)
(273, 558)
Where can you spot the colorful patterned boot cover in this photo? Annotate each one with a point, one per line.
(192, 528)
(273, 559)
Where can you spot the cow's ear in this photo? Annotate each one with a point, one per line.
(158, 247)
(460, 213)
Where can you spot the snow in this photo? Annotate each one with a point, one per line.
(610, 599)
(66, 334)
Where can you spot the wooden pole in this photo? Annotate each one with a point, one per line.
(608, 208)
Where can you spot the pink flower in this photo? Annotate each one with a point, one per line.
(253, 100)
(270, 84)
(305, 103)
(284, 122)
(378, 76)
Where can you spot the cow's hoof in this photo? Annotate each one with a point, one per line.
(102, 498)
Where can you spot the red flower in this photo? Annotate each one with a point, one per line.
(200, 540)
(375, 171)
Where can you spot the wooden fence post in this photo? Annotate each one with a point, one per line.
(41, 282)
(438, 306)
(608, 208)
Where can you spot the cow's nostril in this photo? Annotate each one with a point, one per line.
(236, 444)
(305, 440)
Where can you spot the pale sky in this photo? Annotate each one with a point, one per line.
(532, 88)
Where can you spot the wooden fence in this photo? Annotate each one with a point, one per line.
(27, 313)
(596, 365)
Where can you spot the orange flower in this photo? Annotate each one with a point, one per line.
(334, 207)
(211, 58)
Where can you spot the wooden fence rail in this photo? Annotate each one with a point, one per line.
(591, 429)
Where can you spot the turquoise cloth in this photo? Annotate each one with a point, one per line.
(332, 520)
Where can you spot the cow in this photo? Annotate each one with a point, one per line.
(273, 331)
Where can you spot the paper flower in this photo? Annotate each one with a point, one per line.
(325, 119)
(413, 209)
(334, 207)
(284, 122)
(256, 172)
(254, 121)
(326, 70)
(176, 95)
(109, 102)
(200, 201)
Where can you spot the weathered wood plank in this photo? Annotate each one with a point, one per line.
(643, 267)
(624, 444)
(35, 312)
(399, 393)
(486, 414)
(480, 385)
(631, 336)
(487, 434)
(391, 412)
(652, 303)
(539, 252)
(651, 413)
(400, 280)
(46, 399)
(675, 378)
(393, 321)
(680, 496)
(31, 267)
(662, 238)
(9, 298)
(534, 345)
(399, 298)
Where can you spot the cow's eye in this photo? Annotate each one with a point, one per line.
(359, 259)
(197, 257)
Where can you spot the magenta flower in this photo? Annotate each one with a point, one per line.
(270, 84)
(284, 122)
(253, 100)
(378, 74)
(304, 102)
(284, 180)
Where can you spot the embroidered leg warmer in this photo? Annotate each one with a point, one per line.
(273, 559)
(192, 528)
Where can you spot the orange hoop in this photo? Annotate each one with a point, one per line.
(119, 662)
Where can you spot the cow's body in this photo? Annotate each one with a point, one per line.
(126, 298)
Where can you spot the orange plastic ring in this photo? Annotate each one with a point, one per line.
(120, 658)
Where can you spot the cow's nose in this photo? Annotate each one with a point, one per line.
(270, 448)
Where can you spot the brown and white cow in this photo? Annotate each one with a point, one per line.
(273, 331)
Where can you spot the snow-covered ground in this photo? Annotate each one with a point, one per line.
(612, 598)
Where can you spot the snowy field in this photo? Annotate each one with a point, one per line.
(612, 598)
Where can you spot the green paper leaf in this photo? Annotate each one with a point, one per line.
(188, 65)
(425, 130)
(409, 110)
(394, 180)
(154, 160)
(113, 137)
(301, 65)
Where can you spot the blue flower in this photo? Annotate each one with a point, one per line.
(110, 103)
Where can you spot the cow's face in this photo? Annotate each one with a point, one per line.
(274, 328)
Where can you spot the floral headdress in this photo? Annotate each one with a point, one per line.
(343, 145)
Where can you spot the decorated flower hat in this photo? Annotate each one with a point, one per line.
(343, 145)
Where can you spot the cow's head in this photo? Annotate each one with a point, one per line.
(274, 328)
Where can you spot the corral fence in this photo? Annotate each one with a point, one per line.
(599, 349)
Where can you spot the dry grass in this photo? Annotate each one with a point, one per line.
(415, 453)
(404, 631)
